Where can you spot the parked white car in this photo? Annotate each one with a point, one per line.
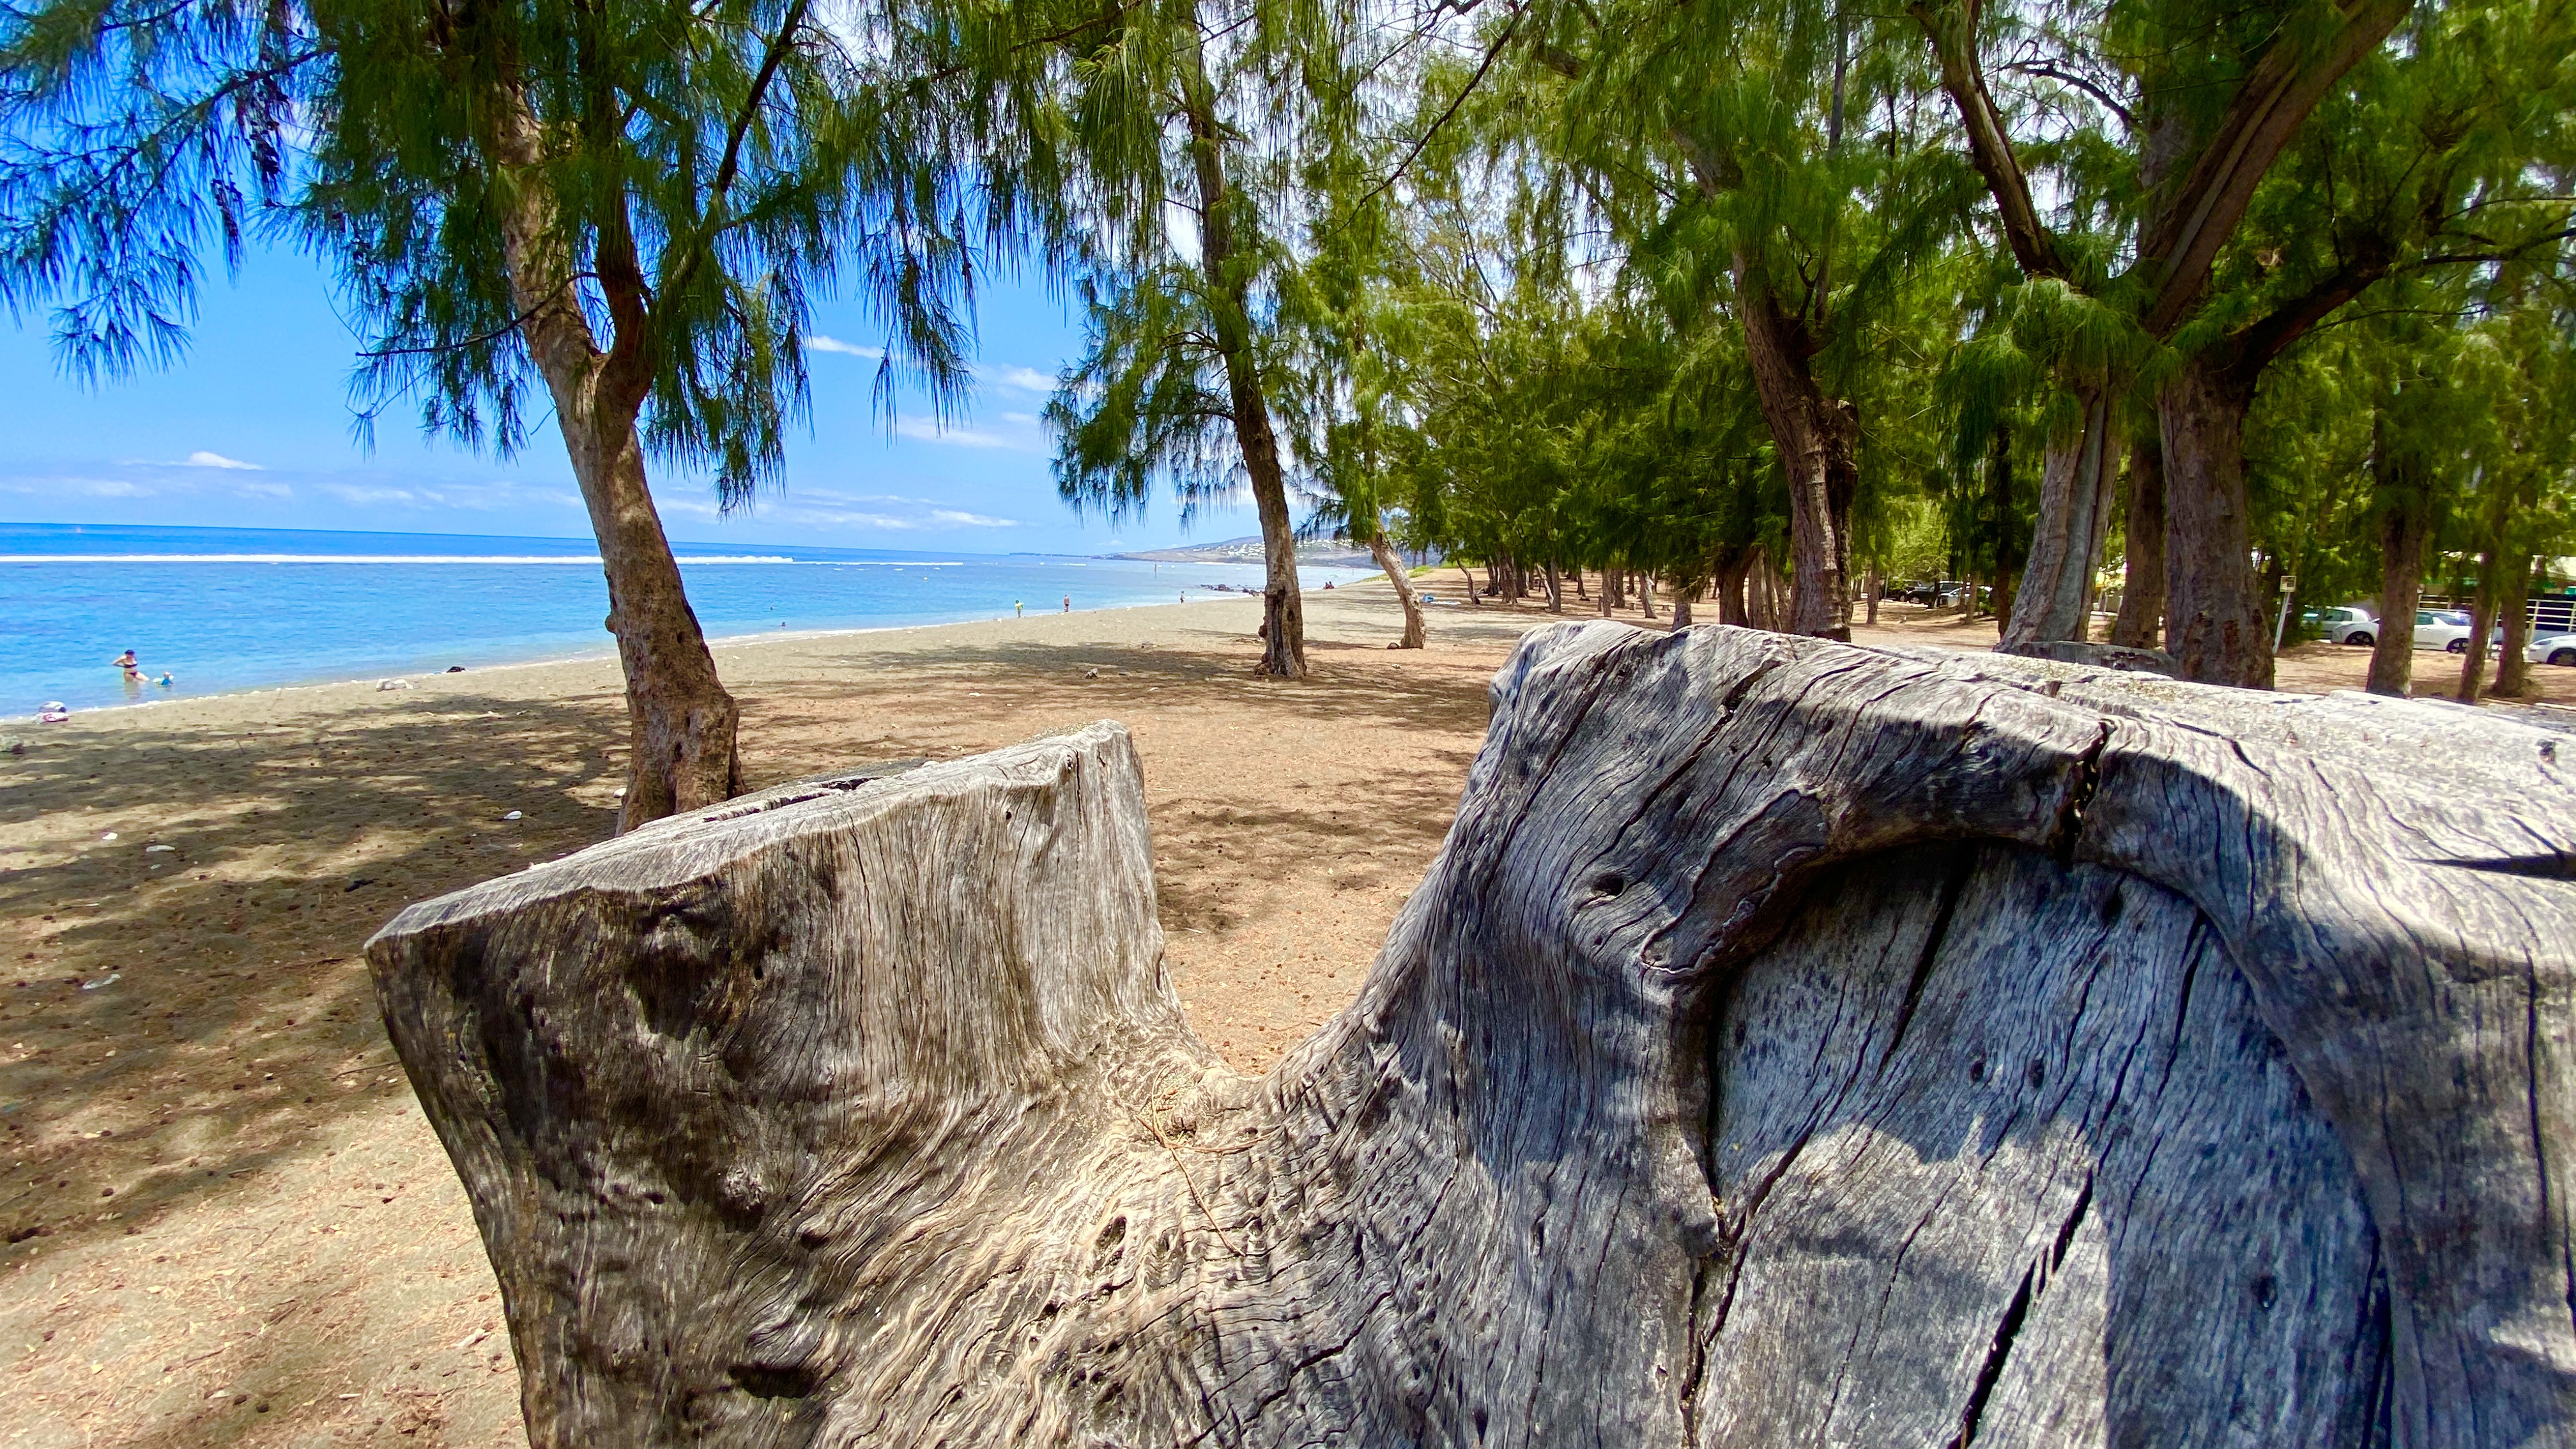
(2551, 649)
(2341, 624)
(2445, 629)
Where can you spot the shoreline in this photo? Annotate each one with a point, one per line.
(715, 642)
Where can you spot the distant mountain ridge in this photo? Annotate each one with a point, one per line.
(1321, 552)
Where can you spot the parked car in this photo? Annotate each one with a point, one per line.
(2445, 629)
(2347, 626)
(2551, 649)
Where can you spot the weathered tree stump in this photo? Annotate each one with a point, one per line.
(1793, 1044)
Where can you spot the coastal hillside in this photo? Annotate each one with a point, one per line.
(1315, 553)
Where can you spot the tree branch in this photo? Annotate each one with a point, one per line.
(729, 166)
(477, 340)
(2088, 87)
(1493, 53)
(1989, 149)
(2268, 110)
(2255, 345)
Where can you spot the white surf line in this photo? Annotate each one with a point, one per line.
(364, 558)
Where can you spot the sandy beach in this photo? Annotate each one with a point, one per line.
(226, 1220)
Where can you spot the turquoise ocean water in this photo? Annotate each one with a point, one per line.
(226, 609)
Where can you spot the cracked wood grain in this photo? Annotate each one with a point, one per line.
(1792, 1044)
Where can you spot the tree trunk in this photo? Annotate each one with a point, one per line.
(2164, 1089)
(1555, 590)
(680, 721)
(2056, 578)
(1470, 576)
(1733, 566)
(2140, 624)
(1682, 605)
(1818, 440)
(2482, 608)
(1576, 574)
(1646, 594)
(2405, 527)
(2213, 613)
(2513, 671)
(1283, 607)
(1384, 553)
(1873, 586)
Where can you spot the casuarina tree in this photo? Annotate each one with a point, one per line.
(615, 212)
(2200, 101)
(1153, 148)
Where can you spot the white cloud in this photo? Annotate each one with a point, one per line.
(924, 430)
(820, 343)
(79, 487)
(478, 496)
(1026, 379)
(203, 459)
(831, 508)
(1026, 420)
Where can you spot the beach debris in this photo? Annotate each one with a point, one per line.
(1091, 674)
(513, 815)
(160, 849)
(109, 979)
(13, 744)
(385, 684)
(107, 835)
(357, 881)
(55, 712)
(456, 669)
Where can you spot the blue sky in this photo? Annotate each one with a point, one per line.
(252, 430)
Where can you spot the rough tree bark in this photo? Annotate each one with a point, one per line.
(2140, 624)
(2482, 617)
(1818, 439)
(2214, 614)
(2049, 599)
(2513, 670)
(2405, 530)
(1791, 1044)
(1393, 567)
(681, 722)
(1734, 565)
(1283, 607)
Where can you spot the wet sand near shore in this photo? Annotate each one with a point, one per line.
(229, 1223)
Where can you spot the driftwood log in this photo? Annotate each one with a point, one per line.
(1793, 1044)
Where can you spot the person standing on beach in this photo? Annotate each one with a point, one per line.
(1068, 603)
(1015, 610)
